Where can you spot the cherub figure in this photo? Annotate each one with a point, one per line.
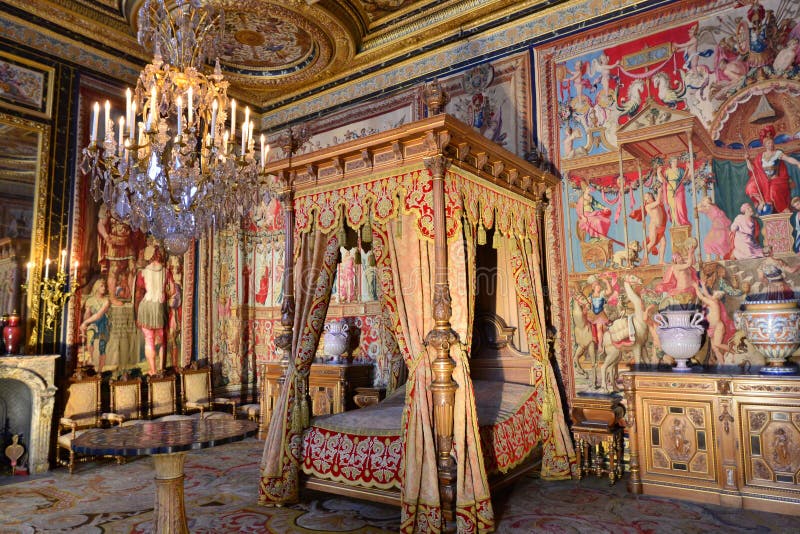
(720, 325)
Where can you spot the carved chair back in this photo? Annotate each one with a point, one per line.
(196, 387)
(126, 398)
(161, 396)
(83, 401)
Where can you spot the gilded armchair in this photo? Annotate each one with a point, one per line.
(82, 412)
(161, 397)
(197, 393)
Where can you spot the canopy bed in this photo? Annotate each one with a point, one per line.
(474, 410)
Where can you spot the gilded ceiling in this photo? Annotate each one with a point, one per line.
(277, 52)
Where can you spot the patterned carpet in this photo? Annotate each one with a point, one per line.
(220, 494)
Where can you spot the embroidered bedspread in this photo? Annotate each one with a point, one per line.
(364, 447)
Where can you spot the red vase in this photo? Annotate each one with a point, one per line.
(12, 334)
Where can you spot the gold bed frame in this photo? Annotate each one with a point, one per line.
(493, 358)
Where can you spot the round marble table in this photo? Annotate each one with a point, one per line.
(167, 442)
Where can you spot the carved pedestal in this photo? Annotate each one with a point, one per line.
(169, 514)
(728, 439)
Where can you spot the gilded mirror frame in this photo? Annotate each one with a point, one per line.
(30, 311)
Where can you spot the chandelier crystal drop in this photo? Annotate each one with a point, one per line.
(169, 166)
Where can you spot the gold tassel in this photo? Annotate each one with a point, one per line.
(297, 425)
(357, 260)
(371, 260)
(496, 242)
(341, 234)
(481, 233)
(366, 233)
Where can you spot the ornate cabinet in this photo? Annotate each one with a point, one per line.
(330, 387)
(729, 439)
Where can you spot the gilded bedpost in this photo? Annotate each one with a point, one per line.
(443, 388)
(283, 339)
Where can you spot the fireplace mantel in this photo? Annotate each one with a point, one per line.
(37, 372)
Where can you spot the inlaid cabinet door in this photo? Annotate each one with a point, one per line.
(771, 442)
(678, 438)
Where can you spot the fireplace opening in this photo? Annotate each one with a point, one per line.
(16, 410)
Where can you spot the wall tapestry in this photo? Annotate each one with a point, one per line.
(701, 203)
(132, 308)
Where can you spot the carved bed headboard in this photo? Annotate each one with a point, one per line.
(493, 355)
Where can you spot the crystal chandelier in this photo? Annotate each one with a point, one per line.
(171, 168)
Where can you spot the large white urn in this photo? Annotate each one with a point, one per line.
(337, 340)
(681, 334)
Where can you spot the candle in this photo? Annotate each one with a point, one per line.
(106, 127)
(250, 136)
(62, 265)
(244, 137)
(47, 268)
(121, 132)
(214, 106)
(132, 122)
(128, 95)
(95, 118)
(189, 107)
(179, 103)
(233, 119)
(28, 276)
(153, 108)
(246, 122)
(263, 155)
(264, 159)
(75, 270)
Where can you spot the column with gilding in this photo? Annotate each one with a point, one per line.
(635, 481)
(440, 338)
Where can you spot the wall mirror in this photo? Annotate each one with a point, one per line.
(24, 149)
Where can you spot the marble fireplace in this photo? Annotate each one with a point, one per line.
(27, 394)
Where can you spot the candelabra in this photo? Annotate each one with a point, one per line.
(53, 292)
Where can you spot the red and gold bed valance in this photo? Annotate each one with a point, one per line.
(409, 191)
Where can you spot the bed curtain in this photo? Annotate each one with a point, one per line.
(315, 263)
(405, 267)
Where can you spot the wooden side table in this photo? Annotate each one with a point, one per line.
(368, 396)
(330, 387)
(599, 440)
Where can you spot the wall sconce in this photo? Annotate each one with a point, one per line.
(53, 291)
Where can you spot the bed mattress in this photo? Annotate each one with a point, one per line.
(364, 447)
